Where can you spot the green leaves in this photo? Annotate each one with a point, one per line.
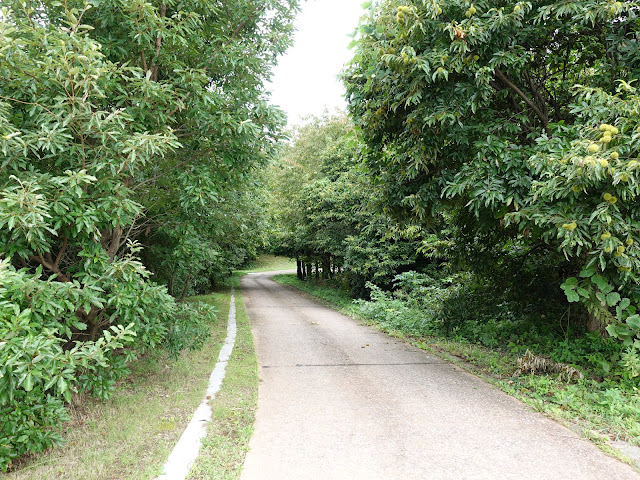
(634, 322)
(570, 287)
(612, 299)
(90, 148)
(465, 132)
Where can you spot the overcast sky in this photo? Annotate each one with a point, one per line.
(305, 80)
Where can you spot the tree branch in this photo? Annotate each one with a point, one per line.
(527, 100)
(158, 45)
(542, 103)
(115, 242)
(51, 267)
(175, 167)
(144, 61)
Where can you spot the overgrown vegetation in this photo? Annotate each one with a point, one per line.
(130, 435)
(130, 134)
(319, 189)
(512, 128)
(136, 429)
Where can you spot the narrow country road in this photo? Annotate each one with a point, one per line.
(338, 400)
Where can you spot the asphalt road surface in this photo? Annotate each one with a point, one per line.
(338, 400)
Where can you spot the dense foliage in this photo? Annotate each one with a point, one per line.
(123, 125)
(492, 147)
(323, 216)
(516, 123)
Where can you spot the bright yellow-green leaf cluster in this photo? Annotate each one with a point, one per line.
(402, 11)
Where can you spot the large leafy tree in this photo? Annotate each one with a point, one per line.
(210, 60)
(515, 120)
(121, 123)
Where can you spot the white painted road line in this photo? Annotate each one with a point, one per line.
(186, 450)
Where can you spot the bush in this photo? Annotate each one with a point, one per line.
(37, 375)
(471, 310)
(415, 305)
(40, 366)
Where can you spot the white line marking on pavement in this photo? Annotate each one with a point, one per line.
(186, 450)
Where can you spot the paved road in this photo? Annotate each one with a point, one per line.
(338, 400)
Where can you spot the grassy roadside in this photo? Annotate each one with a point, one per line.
(322, 290)
(130, 435)
(577, 405)
(228, 434)
(234, 407)
(269, 263)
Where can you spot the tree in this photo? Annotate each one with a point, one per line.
(323, 210)
(210, 60)
(121, 124)
(515, 122)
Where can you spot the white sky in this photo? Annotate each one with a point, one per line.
(305, 80)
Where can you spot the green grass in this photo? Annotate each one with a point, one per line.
(584, 406)
(131, 435)
(269, 263)
(228, 434)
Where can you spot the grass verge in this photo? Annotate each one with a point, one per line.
(269, 263)
(131, 435)
(228, 434)
(600, 413)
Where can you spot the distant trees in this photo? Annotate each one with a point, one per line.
(123, 125)
(323, 209)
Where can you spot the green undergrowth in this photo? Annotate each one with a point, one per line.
(600, 408)
(269, 263)
(130, 435)
(228, 434)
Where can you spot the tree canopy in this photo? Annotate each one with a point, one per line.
(129, 137)
(518, 122)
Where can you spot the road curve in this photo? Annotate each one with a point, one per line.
(338, 400)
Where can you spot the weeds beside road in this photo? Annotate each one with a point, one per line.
(131, 435)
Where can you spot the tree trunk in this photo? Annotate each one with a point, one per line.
(326, 267)
(92, 321)
(299, 271)
(594, 324)
(185, 289)
(170, 286)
